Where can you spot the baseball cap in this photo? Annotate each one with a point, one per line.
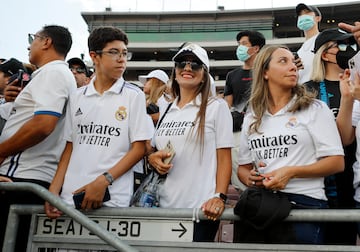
(333, 34)
(158, 74)
(11, 66)
(300, 7)
(196, 50)
(78, 61)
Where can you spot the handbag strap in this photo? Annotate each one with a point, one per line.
(146, 162)
(162, 117)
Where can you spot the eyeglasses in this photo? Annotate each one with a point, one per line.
(32, 37)
(195, 66)
(116, 54)
(79, 70)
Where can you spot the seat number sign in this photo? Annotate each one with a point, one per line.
(125, 228)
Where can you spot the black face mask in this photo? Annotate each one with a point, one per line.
(342, 57)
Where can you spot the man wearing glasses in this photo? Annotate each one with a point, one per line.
(80, 71)
(31, 142)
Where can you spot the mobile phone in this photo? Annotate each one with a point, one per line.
(18, 76)
(79, 197)
(169, 149)
(354, 66)
(22, 77)
(296, 55)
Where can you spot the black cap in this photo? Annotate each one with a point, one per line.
(11, 66)
(78, 61)
(333, 34)
(300, 7)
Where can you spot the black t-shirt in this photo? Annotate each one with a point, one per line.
(238, 83)
(331, 92)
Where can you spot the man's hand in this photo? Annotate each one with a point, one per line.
(354, 29)
(11, 92)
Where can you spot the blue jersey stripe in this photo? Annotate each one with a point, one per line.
(44, 112)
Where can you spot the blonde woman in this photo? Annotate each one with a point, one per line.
(284, 134)
(155, 89)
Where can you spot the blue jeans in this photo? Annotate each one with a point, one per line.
(286, 232)
(308, 232)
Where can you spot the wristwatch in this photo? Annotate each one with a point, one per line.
(109, 177)
(221, 196)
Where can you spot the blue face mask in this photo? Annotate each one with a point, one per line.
(242, 53)
(305, 22)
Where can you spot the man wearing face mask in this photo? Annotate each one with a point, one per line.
(333, 49)
(237, 88)
(308, 19)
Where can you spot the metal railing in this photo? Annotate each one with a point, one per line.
(333, 215)
(102, 233)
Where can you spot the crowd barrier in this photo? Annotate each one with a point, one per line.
(140, 229)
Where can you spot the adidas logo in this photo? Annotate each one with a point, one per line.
(78, 112)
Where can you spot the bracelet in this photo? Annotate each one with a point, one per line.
(109, 177)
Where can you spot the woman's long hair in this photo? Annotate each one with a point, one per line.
(318, 71)
(260, 94)
(156, 91)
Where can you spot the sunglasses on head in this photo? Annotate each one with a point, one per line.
(195, 66)
(78, 69)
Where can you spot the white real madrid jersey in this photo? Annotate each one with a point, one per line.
(101, 129)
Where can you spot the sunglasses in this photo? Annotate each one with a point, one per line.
(195, 66)
(77, 69)
(32, 37)
(342, 46)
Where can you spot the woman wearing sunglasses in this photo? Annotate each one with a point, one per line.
(333, 49)
(199, 126)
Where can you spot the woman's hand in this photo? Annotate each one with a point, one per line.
(345, 86)
(255, 179)
(156, 161)
(278, 179)
(349, 89)
(213, 208)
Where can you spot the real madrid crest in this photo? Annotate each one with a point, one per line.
(121, 113)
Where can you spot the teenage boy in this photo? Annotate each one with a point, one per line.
(106, 129)
(308, 19)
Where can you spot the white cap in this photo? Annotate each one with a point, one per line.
(197, 51)
(158, 74)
